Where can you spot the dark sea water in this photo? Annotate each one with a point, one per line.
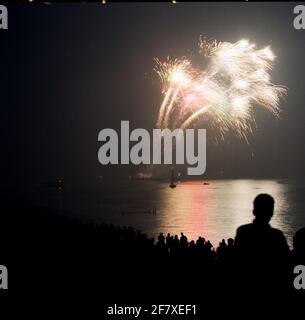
(213, 211)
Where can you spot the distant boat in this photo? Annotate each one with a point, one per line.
(205, 183)
(172, 185)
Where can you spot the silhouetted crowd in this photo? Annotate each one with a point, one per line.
(52, 249)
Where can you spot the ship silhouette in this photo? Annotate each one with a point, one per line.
(172, 185)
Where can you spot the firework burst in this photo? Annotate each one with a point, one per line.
(236, 79)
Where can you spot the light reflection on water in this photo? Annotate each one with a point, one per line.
(216, 211)
(213, 211)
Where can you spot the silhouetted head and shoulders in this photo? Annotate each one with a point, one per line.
(258, 237)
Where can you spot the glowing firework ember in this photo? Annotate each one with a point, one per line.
(236, 78)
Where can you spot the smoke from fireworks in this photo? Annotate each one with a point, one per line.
(237, 78)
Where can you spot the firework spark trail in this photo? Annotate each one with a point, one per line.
(163, 108)
(173, 75)
(194, 116)
(237, 77)
(169, 108)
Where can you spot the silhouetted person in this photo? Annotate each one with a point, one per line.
(183, 240)
(168, 239)
(261, 250)
(230, 243)
(221, 250)
(175, 244)
(161, 238)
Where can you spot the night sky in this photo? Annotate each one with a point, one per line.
(68, 71)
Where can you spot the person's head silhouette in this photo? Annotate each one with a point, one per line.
(263, 206)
